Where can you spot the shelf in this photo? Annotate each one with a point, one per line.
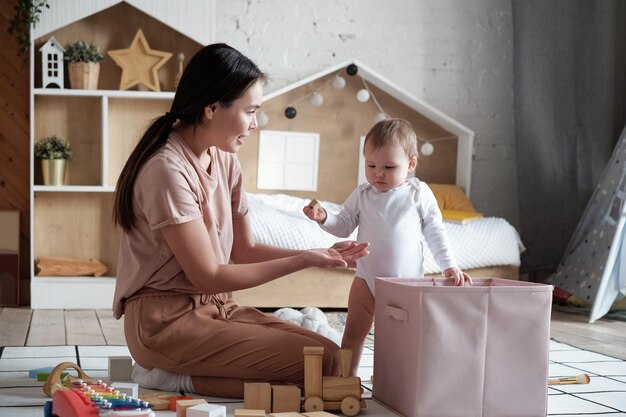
(56, 92)
(72, 292)
(103, 127)
(74, 188)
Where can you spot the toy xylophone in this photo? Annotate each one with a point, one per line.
(97, 399)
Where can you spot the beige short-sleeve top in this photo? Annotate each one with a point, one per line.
(172, 188)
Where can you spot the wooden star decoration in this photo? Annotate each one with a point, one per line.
(139, 63)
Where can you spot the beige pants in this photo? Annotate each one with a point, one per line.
(221, 344)
(361, 307)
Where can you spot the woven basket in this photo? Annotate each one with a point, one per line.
(84, 75)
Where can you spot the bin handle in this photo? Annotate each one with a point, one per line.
(396, 313)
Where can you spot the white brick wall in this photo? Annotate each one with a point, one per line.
(455, 54)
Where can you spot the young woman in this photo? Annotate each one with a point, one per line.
(186, 242)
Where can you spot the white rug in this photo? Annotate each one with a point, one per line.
(604, 396)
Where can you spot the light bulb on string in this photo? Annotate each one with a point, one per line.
(380, 117)
(363, 95)
(316, 99)
(339, 82)
(427, 149)
(262, 119)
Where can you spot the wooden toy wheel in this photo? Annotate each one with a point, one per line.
(313, 404)
(53, 383)
(350, 406)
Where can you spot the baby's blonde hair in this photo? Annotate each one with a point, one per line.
(395, 132)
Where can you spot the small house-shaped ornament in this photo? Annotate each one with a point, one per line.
(52, 63)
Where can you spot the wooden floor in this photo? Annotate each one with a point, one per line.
(25, 327)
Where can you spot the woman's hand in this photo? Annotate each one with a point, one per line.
(324, 258)
(350, 251)
(460, 277)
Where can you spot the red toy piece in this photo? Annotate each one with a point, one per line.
(71, 403)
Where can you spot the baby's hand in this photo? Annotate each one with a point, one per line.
(460, 277)
(315, 212)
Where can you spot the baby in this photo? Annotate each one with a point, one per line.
(397, 215)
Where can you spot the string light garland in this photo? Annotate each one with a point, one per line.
(316, 99)
(290, 112)
(339, 82)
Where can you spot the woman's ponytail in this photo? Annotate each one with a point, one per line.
(152, 140)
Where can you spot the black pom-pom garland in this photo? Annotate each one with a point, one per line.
(290, 112)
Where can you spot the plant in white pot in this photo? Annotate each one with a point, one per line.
(53, 152)
(83, 65)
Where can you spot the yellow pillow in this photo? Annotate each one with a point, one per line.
(451, 197)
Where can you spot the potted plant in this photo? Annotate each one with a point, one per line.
(53, 152)
(27, 14)
(83, 65)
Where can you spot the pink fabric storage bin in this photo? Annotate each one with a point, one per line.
(446, 351)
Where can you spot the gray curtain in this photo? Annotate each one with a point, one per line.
(570, 96)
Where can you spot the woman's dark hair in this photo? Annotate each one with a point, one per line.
(218, 73)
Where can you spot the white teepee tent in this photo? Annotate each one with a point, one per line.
(593, 267)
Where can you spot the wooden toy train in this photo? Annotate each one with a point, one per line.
(330, 392)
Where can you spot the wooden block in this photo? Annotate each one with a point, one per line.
(34, 372)
(313, 371)
(159, 400)
(285, 398)
(346, 361)
(43, 376)
(336, 388)
(313, 350)
(318, 414)
(120, 368)
(314, 204)
(288, 414)
(206, 410)
(183, 405)
(257, 396)
(241, 412)
(176, 398)
(129, 388)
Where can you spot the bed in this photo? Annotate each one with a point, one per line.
(488, 246)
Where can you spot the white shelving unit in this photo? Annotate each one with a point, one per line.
(78, 292)
(102, 126)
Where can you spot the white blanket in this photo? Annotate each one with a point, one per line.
(278, 220)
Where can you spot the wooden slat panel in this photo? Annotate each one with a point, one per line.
(112, 329)
(14, 323)
(11, 47)
(82, 328)
(47, 328)
(11, 88)
(14, 141)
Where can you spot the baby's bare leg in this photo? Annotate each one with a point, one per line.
(359, 321)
